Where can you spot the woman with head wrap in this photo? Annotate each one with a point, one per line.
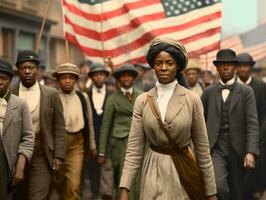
(169, 118)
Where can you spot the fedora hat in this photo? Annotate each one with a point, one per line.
(125, 68)
(98, 67)
(225, 55)
(66, 68)
(193, 64)
(27, 55)
(245, 58)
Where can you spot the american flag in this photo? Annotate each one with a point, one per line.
(123, 29)
(257, 51)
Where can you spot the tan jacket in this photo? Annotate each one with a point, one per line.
(184, 120)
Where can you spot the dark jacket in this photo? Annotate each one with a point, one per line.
(243, 119)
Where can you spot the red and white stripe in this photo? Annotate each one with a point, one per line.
(123, 30)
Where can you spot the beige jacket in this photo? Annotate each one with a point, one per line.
(184, 120)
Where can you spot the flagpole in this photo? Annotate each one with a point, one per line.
(67, 48)
(37, 45)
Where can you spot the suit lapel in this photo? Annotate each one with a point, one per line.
(153, 94)
(44, 104)
(234, 96)
(218, 98)
(175, 104)
(10, 113)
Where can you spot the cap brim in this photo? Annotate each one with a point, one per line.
(56, 74)
(216, 62)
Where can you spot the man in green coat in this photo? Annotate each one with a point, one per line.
(116, 124)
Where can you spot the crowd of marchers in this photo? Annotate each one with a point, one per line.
(169, 129)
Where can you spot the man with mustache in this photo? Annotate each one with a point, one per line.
(232, 126)
(48, 125)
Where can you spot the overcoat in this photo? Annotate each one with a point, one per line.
(17, 136)
(184, 120)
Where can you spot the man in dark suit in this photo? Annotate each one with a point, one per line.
(48, 125)
(232, 125)
(101, 177)
(255, 181)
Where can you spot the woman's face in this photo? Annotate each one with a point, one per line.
(165, 67)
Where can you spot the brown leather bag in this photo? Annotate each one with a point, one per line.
(184, 160)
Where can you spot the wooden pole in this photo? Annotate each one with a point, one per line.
(67, 48)
(37, 44)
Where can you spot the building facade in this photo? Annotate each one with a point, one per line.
(20, 24)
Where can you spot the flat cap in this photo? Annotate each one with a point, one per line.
(27, 55)
(6, 67)
(66, 68)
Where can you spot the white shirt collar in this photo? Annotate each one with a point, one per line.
(230, 82)
(101, 90)
(166, 87)
(124, 90)
(35, 87)
(246, 83)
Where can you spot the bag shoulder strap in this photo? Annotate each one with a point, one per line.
(157, 116)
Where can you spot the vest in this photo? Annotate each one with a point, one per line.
(224, 128)
(85, 130)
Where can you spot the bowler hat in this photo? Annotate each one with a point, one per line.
(98, 67)
(27, 55)
(6, 67)
(245, 58)
(225, 55)
(129, 68)
(66, 68)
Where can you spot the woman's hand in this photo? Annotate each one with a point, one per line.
(213, 197)
(123, 194)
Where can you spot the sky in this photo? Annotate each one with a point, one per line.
(239, 16)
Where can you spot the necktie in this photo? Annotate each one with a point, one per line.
(129, 96)
(228, 87)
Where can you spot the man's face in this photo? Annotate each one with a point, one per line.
(67, 82)
(28, 72)
(126, 80)
(4, 84)
(226, 70)
(98, 79)
(192, 76)
(244, 71)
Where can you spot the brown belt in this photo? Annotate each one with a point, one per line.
(169, 151)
